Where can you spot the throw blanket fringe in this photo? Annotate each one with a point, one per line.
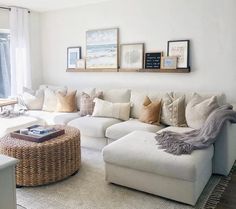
(185, 143)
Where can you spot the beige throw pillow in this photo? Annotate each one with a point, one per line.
(32, 100)
(87, 104)
(66, 103)
(50, 99)
(150, 112)
(198, 109)
(173, 110)
(111, 110)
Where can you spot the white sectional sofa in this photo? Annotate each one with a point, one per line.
(132, 157)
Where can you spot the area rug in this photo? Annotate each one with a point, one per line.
(224, 194)
(89, 190)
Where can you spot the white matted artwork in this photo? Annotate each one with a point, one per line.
(179, 48)
(131, 56)
(102, 49)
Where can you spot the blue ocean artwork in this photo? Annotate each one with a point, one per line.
(73, 58)
(102, 48)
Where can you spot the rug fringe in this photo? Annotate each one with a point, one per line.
(218, 191)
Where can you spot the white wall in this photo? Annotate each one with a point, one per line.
(35, 36)
(210, 24)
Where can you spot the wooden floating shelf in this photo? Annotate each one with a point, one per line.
(182, 70)
(90, 70)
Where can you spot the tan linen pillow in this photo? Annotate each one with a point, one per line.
(173, 110)
(87, 104)
(198, 109)
(150, 112)
(32, 100)
(50, 99)
(66, 103)
(111, 110)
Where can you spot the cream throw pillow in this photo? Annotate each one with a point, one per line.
(111, 110)
(50, 99)
(32, 100)
(173, 110)
(66, 103)
(150, 112)
(198, 109)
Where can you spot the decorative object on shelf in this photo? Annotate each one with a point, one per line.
(169, 62)
(153, 60)
(131, 56)
(102, 49)
(73, 54)
(80, 64)
(179, 48)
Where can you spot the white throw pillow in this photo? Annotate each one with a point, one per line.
(32, 100)
(50, 99)
(111, 110)
(198, 109)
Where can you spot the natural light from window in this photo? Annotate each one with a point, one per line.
(5, 71)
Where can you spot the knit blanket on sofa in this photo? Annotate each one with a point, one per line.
(185, 143)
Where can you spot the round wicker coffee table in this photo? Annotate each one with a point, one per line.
(46, 162)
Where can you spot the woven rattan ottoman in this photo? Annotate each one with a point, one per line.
(46, 162)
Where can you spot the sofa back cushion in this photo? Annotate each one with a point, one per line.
(221, 98)
(117, 95)
(104, 108)
(66, 102)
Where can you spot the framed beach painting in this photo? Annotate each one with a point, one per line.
(102, 49)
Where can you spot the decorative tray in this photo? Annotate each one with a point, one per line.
(39, 137)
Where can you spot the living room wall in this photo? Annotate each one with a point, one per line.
(207, 23)
(35, 49)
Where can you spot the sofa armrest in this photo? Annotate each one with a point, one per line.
(234, 106)
(225, 149)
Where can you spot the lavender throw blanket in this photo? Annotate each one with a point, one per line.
(185, 143)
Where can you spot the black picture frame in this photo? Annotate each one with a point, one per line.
(153, 60)
(76, 50)
(184, 47)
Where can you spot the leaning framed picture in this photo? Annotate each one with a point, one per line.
(169, 62)
(102, 49)
(73, 54)
(179, 48)
(131, 56)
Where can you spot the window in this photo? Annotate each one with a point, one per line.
(5, 72)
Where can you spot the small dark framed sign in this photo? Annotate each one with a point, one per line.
(73, 54)
(180, 49)
(153, 60)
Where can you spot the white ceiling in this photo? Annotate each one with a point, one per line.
(47, 5)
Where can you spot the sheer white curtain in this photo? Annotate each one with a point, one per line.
(19, 50)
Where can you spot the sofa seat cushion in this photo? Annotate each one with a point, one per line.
(93, 126)
(176, 129)
(121, 129)
(138, 150)
(52, 118)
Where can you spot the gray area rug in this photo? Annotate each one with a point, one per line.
(89, 190)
